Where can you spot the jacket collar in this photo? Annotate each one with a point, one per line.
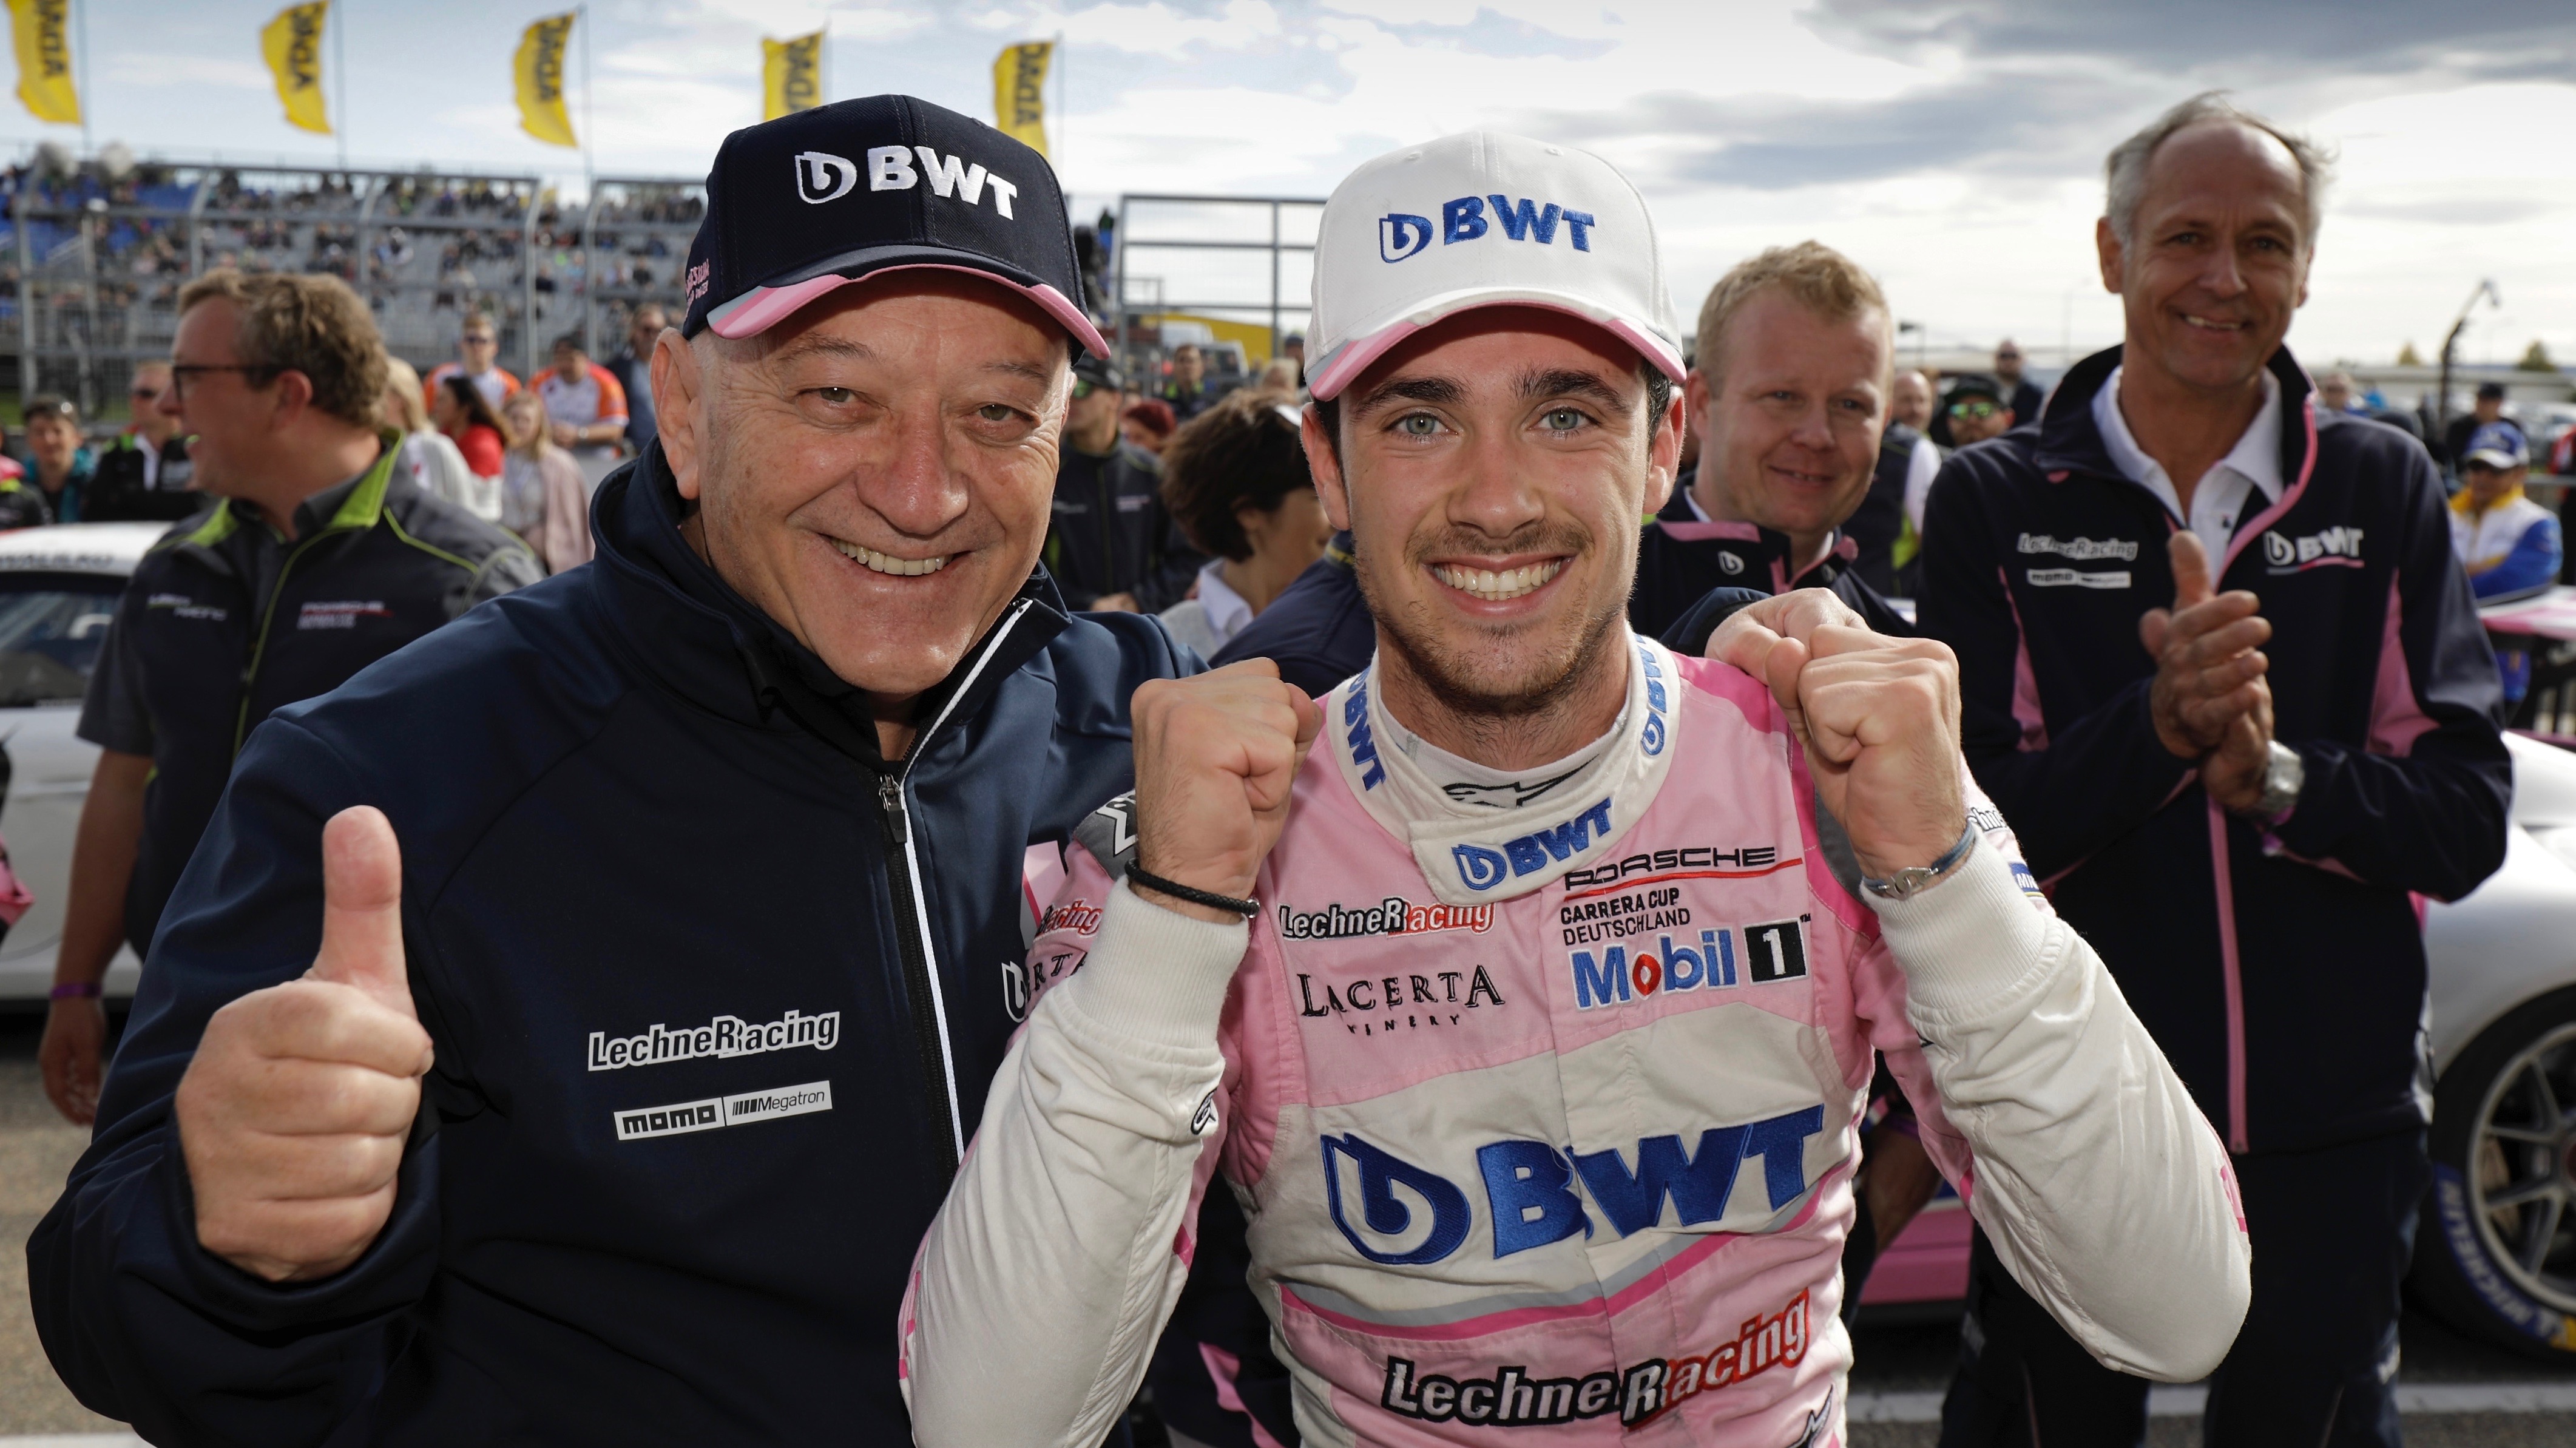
(707, 643)
(2071, 442)
(1681, 521)
(355, 505)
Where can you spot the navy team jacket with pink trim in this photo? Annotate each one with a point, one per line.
(2282, 968)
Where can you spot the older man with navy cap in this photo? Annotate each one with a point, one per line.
(1527, 999)
(568, 1028)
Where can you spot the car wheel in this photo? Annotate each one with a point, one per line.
(2495, 1254)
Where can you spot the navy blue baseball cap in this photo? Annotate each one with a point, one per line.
(811, 202)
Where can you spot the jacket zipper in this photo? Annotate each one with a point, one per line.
(912, 905)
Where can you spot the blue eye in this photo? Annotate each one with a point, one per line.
(1418, 424)
(1563, 419)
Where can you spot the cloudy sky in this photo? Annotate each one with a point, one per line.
(1954, 146)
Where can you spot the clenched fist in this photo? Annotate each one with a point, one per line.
(1879, 718)
(294, 1113)
(1216, 755)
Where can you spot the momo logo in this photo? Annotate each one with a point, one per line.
(890, 168)
(1408, 1215)
(1400, 236)
(1480, 868)
(822, 176)
(2333, 548)
(721, 1111)
(1772, 953)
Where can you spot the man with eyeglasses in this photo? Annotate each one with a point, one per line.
(144, 474)
(1111, 544)
(478, 344)
(321, 559)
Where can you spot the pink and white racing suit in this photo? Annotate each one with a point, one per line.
(1544, 1120)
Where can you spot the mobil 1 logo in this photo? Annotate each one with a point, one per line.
(1777, 951)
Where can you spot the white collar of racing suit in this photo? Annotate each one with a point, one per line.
(1477, 856)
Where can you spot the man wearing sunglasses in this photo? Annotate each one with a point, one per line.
(1974, 408)
(1110, 542)
(144, 474)
(320, 561)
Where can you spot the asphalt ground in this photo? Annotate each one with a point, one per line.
(1900, 1367)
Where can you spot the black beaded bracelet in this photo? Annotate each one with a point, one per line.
(1138, 875)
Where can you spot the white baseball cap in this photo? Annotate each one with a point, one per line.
(1483, 220)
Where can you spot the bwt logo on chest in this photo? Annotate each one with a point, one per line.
(1400, 235)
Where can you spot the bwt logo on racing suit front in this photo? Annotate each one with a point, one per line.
(1480, 868)
(1530, 1192)
(1511, 1398)
(2333, 548)
(724, 1036)
(1401, 235)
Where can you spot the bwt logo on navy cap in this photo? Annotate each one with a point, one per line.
(809, 203)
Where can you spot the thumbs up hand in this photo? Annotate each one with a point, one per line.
(2208, 653)
(294, 1112)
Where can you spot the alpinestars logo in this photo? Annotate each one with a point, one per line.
(722, 1037)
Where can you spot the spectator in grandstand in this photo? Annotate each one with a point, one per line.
(543, 496)
(57, 463)
(1235, 480)
(1909, 400)
(2486, 411)
(2509, 544)
(1147, 422)
(477, 343)
(280, 379)
(144, 473)
(2023, 396)
(429, 457)
(1110, 544)
(586, 405)
(1188, 392)
(457, 408)
(633, 369)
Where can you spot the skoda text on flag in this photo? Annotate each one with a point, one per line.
(1019, 92)
(538, 71)
(791, 75)
(41, 31)
(292, 46)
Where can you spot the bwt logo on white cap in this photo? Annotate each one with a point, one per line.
(1524, 223)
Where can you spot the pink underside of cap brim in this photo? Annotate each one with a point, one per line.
(1355, 358)
(765, 307)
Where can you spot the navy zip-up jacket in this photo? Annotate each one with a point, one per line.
(1680, 559)
(716, 993)
(2281, 969)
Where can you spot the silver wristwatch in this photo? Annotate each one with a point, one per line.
(1907, 883)
(2282, 778)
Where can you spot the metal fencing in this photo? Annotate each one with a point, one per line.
(97, 260)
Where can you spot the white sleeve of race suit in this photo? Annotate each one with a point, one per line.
(1920, 470)
(2103, 1189)
(1044, 1281)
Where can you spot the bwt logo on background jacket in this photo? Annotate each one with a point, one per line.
(715, 992)
(2283, 971)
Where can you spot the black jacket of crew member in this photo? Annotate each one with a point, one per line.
(1111, 534)
(1879, 521)
(224, 622)
(1681, 558)
(136, 482)
(716, 991)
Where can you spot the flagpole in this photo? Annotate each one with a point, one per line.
(588, 172)
(338, 20)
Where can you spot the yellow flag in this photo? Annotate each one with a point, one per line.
(1019, 92)
(41, 30)
(292, 45)
(791, 75)
(539, 71)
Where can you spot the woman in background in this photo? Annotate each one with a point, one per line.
(428, 454)
(1235, 480)
(542, 497)
(457, 407)
(1148, 424)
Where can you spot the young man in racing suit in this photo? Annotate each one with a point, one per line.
(1536, 1056)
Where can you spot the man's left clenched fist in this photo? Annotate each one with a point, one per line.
(1216, 757)
(1880, 720)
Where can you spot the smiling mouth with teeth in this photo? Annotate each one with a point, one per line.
(2211, 324)
(876, 562)
(1488, 584)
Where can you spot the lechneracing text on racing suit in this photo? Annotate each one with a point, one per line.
(1548, 1121)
